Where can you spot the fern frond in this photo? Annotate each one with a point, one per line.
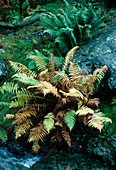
(23, 78)
(59, 118)
(98, 75)
(73, 73)
(22, 117)
(9, 116)
(38, 60)
(69, 56)
(70, 119)
(93, 102)
(20, 68)
(49, 122)
(10, 87)
(3, 134)
(73, 93)
(66, 136)
(23, 128)
(23, 97)
(35, 146)
(37, 133)
(83, 111)
(95, 123)
(14, 104)
(5, 103)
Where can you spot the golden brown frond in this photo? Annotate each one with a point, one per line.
(73, 71)
(35, 146)
(51, 89)
(95, 123)
(83, 111)
(66, 135)
(69, 56)
(20, 68)
(9, 116)
(22, 129)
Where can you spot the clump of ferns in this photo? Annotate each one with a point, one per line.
(71, 26)
(50, 102)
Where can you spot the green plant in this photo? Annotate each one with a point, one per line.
(71, 25)
(50, 102)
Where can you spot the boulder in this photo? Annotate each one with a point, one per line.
(2, 69)
(100, 51)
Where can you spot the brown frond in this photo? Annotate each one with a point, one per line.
(38, 133)
(59, 118)
(57, 137)
(93, 103)
(66, 135)
(22, 117)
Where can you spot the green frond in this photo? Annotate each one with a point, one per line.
(23, 78)
(61, 42)
(49, 122)
(3, 134)
(14, 104)
(58, 77)
(10, 87)
(5, 103)
(20, 68)
(39, 60)
(70, 119)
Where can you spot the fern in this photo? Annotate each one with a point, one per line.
(50, 102)
(49, 122)
(3, 134)
(72, 25)
(23, 78)
(70, 119)
(10, 87)
(21, 129)
(20, 68)
(38, 60)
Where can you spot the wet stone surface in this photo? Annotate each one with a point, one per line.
(100, 51)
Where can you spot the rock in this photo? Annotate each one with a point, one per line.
(104, 150)
(2, 69)
(100, 51)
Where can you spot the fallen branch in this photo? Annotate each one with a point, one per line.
(20, 24)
